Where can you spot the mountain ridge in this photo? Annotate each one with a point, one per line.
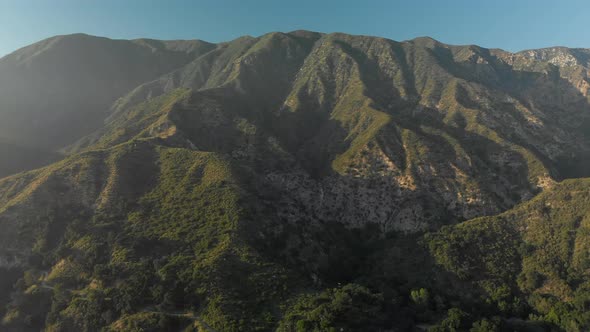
(306, 181)
(201, 74)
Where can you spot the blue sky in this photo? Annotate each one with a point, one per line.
(509, 24)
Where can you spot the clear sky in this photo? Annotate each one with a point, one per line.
(509, 24)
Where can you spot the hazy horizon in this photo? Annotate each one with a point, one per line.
(502, 24)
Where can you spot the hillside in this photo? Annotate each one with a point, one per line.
(407, 135)
(535, 254)
(139, 214)
(295, 181)
(60, 89)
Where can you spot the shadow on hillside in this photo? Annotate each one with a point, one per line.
(330, 255)
(563, 104)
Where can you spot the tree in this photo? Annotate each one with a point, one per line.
(420, 297)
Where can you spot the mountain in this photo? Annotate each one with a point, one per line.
(295, 181)
(446, 132)
(57, 90)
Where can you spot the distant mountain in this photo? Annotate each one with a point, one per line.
(294, 181)
(59, 89)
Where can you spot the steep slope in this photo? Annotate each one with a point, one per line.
(536, 253)
(89, 231)
(60, 89)
(85, 237)
(407, 135)
(572, 66)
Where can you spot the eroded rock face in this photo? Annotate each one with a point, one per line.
(573, 64)
(561, 56)
(379, 193)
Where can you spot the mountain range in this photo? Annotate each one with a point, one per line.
(295, 182)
